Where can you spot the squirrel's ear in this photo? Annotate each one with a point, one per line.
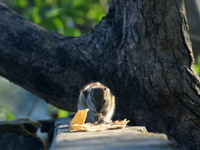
(85, 93)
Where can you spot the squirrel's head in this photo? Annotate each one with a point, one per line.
(98, 99)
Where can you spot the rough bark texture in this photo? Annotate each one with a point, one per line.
(141, 50)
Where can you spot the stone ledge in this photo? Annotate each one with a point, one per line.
(132, 137)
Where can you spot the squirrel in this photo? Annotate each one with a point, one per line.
(100, 102)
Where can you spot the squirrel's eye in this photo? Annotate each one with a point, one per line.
(104, 101)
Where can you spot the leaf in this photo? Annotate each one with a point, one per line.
(197, 69)
(198, 60)
(62, 113)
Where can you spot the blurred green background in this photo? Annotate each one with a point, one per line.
(70, 18)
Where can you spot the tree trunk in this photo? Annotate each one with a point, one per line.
(141, 50)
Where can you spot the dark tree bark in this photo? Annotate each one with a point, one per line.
(140, 49)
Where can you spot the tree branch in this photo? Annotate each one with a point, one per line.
(44, 62)
(50, 65)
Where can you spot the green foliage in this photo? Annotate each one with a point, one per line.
(60, 113)
(6, 114)
(197, 65)
(68, 17)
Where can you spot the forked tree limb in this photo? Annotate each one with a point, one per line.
(48, 64)
(141, 50)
